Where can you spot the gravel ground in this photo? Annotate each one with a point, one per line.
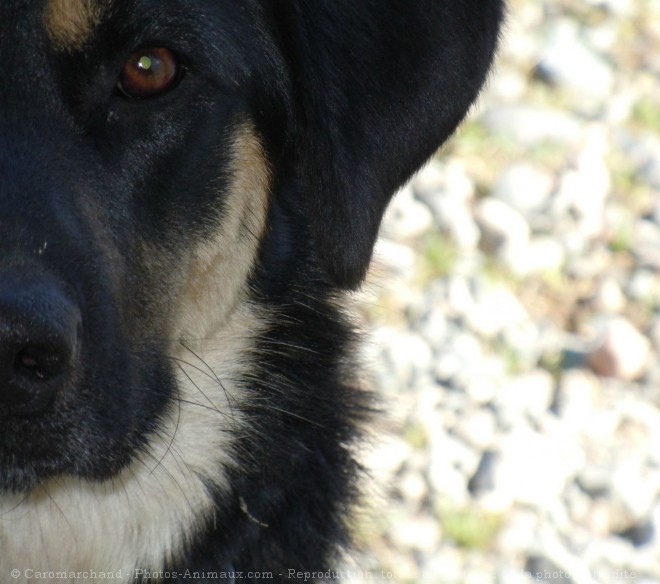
(514, 314)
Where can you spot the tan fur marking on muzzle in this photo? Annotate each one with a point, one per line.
(70, 23)
(152, 511)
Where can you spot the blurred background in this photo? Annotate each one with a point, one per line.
(514, 316)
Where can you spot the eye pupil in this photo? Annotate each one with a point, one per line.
(149, 72)
(145, 63)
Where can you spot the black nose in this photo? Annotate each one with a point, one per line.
(39, 337)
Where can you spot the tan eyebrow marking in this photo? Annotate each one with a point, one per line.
(70, 23)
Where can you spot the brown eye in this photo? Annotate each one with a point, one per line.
(149, 72)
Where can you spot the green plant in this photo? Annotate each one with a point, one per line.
(438, 256)
(469, 528)
(646, 114)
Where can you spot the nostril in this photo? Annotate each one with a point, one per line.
(40, 335)
(38, 363)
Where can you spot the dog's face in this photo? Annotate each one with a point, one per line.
(174, 176)
(133, 199)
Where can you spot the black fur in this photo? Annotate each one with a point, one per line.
(102, 195)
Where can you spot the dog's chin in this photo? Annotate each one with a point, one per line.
(27, 459)
(15, 480)
(23, 477)
(22, 471)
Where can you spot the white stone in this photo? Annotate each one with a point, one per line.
(644, 285)
(395, 259)
(459, 184)
(581, 200)
(530, 125)
(409, 353)
(455, 218)
(646, 245)
(542, 255)
(406, 218)
(459, 295)
(483, 382)
(502, 227)
(495, 309)
(583, 189)
(447, 447)
(508, 85)
(632, 489)
(622, 351)
(609, 297)
(481, 389)
(529, 393)
(644, 150)
(604, 37)
(448, 481)
(435, 327)
(418, 533)
(654, 333)
(447, 191)
(518, 534)
(521, 43)
(616, 7)
(440, 180)
(469, 350)
(524, 187)
(447, 366)
(510, 575)
(443, 567)
(655, 214)
(569, 63)
(620, 106)
(533, 469)
(640, 414)
(386, 456)
(413, 487)
(478, 428)
(577, 396)
(430, 180)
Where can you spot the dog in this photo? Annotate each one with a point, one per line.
(189, 190)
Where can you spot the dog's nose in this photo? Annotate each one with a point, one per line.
(39, 337)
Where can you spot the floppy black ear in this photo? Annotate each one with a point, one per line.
(378, 86)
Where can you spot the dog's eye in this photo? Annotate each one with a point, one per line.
(149, 72)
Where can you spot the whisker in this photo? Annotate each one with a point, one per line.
(176, 429)
(44, 488)
(212, 407)
(8, 511)
(277, 343)
(193, 366)
(215, 377)
(169, 474)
